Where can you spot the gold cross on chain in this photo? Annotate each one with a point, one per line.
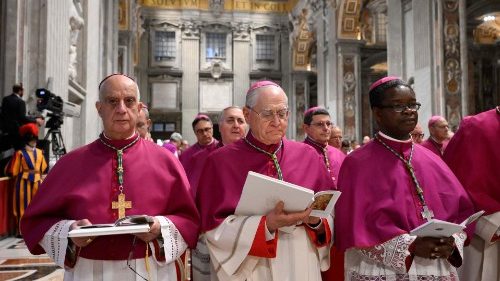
(121, 205)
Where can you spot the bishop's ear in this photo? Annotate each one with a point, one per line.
(98, 107)
(377, 114)
(246, 113)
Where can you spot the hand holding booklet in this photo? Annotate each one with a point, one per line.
(439, 228)
(126, 225)
(261, 194)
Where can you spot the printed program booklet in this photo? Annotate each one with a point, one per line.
(439, 228)
(261, 194)
(127, 225)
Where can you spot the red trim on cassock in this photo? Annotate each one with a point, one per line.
(320, 241)
(157, 251)
(409, 258)
(495, 238)
(261, 247)
(67, 258)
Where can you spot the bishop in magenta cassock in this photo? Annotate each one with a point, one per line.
(86, 185)
(232, 127)
(391, 186)
(252, 247)
(318, 127)
(473, 154)
(194, 157)
(438, 139)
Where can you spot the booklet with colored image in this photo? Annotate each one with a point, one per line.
(126, 225)
(261, 194)
(439, 228)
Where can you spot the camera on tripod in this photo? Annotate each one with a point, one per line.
(58, 108)
(54, 104)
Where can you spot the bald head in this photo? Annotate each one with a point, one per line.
(114, 78)
(118, 106)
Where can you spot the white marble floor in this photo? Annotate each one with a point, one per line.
(16, 263)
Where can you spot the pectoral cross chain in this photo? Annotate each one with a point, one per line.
(120, 204)
(426, 213)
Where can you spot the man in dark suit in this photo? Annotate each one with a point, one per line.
(12, 117)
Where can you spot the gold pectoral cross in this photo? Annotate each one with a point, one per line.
(121, 205)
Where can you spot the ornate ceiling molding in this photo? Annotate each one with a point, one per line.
(349, 14)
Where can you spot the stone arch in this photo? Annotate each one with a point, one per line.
(349, 19)
(303, 42)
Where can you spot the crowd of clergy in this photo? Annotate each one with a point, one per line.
(391, 184)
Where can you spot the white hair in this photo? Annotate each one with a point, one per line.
(251, 98)
(222, 114)
(146, 112)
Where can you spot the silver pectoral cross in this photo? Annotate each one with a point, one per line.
(427, 213)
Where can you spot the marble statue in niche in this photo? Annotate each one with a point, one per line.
(76, 23)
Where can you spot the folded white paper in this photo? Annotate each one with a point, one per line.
(439, 228)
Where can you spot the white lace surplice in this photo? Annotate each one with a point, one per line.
(55, 242)
(296, 259)
(387, 262)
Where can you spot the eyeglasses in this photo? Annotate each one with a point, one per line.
(402, 107)
(268, 115)
(328, 124)
(130, 254)
(442, 127)
(204, 130)
(417, 135)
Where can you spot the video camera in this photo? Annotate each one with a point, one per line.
(49, 101)
(57, 107)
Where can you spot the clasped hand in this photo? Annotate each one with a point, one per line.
(434, 248)
(154, 232)
(279, 218)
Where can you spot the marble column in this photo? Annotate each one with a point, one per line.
(190, 78)
(349, 71)
(9, 74)
(333, 95)
(395, 40)
(452, 59)
(424, 60)
(241, 46)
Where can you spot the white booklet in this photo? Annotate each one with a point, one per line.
(439, 228)
(261, 194)
(126, 225)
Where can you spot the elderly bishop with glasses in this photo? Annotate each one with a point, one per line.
(119, 174)
(389, 187)
(254, 247)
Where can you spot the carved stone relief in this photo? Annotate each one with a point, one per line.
(452, 67)
(191, 30)
(216, 7)
(76, 23)
(349, 88)
(241, 31)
